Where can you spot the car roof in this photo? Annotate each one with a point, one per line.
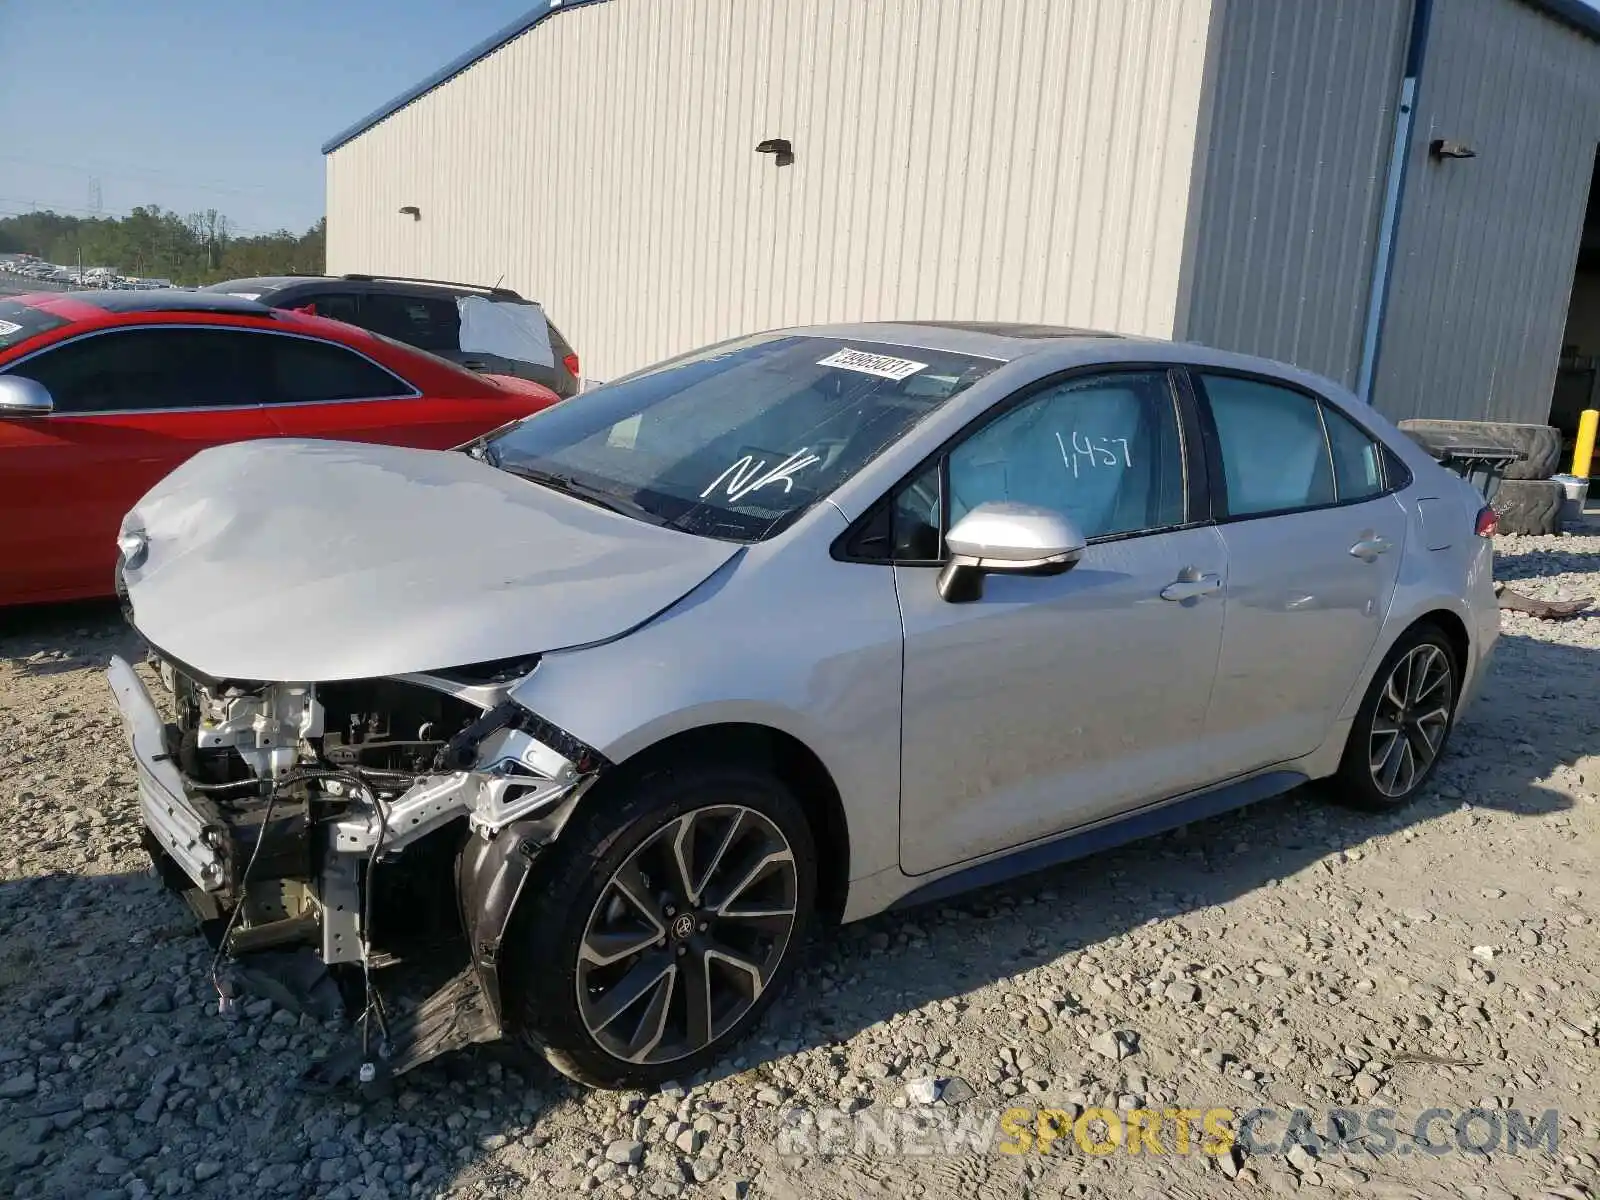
(1022, 329)
(261, 283)
(1065, 346)
(400, 284)
(164, 300)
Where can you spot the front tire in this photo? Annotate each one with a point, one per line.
(1404, 722)
(661, 924)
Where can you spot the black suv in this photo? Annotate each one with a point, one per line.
(485, 328)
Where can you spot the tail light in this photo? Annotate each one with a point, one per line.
(570, 362)
(1488, 522)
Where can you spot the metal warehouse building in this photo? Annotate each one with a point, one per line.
(1390, 192)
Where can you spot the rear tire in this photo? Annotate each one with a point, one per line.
(1529, 506)
(1403, 725)
(655, 890)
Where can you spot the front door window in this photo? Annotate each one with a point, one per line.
(1105, 451)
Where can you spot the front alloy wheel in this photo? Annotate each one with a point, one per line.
(686, 934)
(661, 922)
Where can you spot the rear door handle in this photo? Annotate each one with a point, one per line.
(1370, 546)
(1191, 584)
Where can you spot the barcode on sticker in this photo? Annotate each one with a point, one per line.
(872, 364)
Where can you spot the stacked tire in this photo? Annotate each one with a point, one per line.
(1528, 500)
(1529, 506)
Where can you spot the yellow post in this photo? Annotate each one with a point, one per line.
(1583, 452)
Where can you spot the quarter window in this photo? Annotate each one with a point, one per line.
(1274, 450)
(1357, 459)
(306, 372)
(914, 519)
(1106, 451)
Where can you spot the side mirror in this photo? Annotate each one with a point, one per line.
(20, 397)
(1015, 539)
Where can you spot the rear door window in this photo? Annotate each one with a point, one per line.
(137, 370)
(430, 322)
(339, 306)
(1274, 449)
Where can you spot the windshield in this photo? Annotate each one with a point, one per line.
(19, 322)
(736, 440)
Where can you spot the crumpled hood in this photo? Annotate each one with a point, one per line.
(296, 560)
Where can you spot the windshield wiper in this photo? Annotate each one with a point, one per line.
(569, 486)
(482, 449)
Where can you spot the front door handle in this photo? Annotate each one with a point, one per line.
(1191, 584)
(1370, 546)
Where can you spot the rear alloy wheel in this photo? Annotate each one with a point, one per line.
(1403, 723)
(1411, 720)
(661, 923)
(686, 934)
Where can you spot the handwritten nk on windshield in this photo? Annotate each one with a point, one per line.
(749, 474)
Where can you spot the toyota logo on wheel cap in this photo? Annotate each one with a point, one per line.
(683, 926)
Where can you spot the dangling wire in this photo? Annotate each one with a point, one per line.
(224, 1000)
(353, 780)
(374, 1002)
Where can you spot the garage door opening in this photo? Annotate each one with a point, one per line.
(1578, 375)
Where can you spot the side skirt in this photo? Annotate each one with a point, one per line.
(1142, 823)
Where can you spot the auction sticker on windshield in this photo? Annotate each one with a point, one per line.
(872, 364)
(7, 327)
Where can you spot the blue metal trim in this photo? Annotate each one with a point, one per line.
(1393, 197)
(1581, 15)
(1141, 824)
(1417, 38)
(454, 67)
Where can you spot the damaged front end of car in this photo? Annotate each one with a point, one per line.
(357, 846)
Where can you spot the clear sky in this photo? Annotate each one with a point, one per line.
(196, 104)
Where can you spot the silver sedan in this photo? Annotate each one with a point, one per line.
(627, 696)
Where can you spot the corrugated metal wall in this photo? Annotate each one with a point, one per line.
(1487, 246)
(1300, 109)
(1005, 160)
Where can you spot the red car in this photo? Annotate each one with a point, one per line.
(103, 393)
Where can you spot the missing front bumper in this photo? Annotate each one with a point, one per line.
(517, 781)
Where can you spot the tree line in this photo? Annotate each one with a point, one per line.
(151, 242)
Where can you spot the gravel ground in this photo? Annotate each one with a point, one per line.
(1293, 956)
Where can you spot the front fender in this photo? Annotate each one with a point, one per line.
(792, 640)
(491, 873)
